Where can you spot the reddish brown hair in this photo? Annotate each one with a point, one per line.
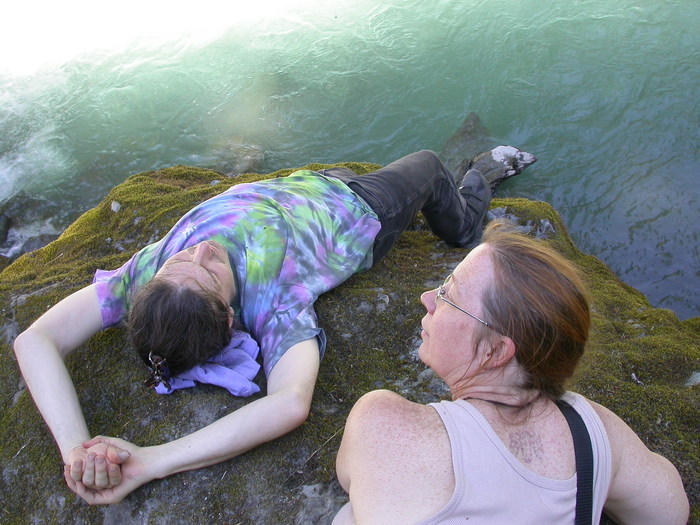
(540, 302)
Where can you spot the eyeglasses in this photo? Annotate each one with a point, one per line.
(441, 295)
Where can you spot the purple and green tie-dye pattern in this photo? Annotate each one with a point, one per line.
(288, 239)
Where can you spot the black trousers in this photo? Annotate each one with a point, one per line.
(398, 191)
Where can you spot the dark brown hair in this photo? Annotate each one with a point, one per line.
(182, 325)
(540, 302)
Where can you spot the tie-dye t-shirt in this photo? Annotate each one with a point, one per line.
(288, 239)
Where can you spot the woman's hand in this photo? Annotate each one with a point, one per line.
(94, 479)
(97, 464)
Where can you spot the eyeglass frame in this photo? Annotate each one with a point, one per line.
(441, 295)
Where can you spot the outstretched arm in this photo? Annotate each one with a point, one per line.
(286, 406)
(645, 487)
(40, 351)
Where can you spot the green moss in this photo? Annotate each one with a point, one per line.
(372, 323)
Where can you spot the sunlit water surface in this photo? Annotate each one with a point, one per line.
(607, 95)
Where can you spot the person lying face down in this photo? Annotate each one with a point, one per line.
(504, 331)
(255, 257)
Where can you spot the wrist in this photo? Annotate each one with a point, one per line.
(161, 461)
(67, 455)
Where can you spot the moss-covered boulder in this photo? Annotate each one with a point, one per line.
(638, 362)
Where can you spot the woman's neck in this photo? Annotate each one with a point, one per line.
(500, 386)
(516, 398)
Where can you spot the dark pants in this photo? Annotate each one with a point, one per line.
(398, 191)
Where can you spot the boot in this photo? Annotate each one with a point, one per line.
(477, 197)
(501, 163)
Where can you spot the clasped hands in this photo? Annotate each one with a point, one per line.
(104, 470)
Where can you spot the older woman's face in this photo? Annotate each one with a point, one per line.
(448, 334)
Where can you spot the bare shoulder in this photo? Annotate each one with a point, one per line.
(645, 487)
(612, 422)
(607, 416)
(385, 408)
(620, 435)
(391, 426)
(394, 459)
(623, 440)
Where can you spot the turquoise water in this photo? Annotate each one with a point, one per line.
(607, 95)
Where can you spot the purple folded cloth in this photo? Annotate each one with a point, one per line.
(233, 369)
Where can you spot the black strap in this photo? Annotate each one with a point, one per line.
(584, 463)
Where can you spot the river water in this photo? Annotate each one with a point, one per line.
(606, 94)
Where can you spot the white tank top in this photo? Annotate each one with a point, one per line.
(493, 487)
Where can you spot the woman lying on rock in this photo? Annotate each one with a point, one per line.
(256, 256)
(504, 331)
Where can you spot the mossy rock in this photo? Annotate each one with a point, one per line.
(372, 322)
